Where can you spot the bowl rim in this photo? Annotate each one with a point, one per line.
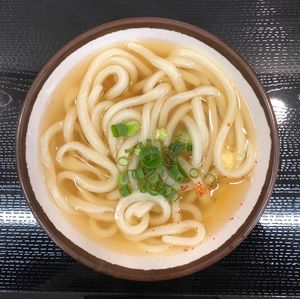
(78, 253)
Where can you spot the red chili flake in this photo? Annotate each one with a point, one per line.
(200, 189)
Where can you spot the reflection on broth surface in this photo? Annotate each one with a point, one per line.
(148, 147)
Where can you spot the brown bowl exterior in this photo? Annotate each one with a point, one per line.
(90, 260)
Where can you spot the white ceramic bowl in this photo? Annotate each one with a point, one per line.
(61, 230)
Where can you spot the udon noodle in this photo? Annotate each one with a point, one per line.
(183, 101)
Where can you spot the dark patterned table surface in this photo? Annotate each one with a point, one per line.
(266, 33)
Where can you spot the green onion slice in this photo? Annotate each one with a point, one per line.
(124, 190)
(119, 130)
(142, 186)
(140, 174)
(161, 134)
(151, 157)
(169, 193)
(137, 151)
(177, 173)
(123, 179)
(133, 173)
(133, 127)
(177, 148)
(123, 161)
(189, 147)
(184, 137)
(194, 173)
(153, 188)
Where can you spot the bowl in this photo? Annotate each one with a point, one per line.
(79, 246)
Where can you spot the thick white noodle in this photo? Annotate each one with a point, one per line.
(174, 122)
(180, 98)
(69, 125)
(133, 198)
(133, 163)
(153, 80)
(200, 120)
(59, 198)
(78, 164)
(146, 115)
(90, 155)
(213, 132)
(196, 140)
(97, 113)
(160, 63)
(94, 97)
(121, 81)
(169, 233)
(126, 64)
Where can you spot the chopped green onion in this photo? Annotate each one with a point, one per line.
(138, 148)
(185, 137)
(169, 192)
(189, 147)
(194, 173)
(140, 174)
(123, 179)
(148, 172)
(177, 173)
(123, 161)
(119, 130)
(142, 186)
(124, 190)
(154, 178)
(137, 151)
(153, 189)
(177, 147)
(161, 171)
(133, 173)
(161, 134)
(133, 126)
(177, 196)
(151, 157)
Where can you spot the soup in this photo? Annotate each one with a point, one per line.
(148, 147)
